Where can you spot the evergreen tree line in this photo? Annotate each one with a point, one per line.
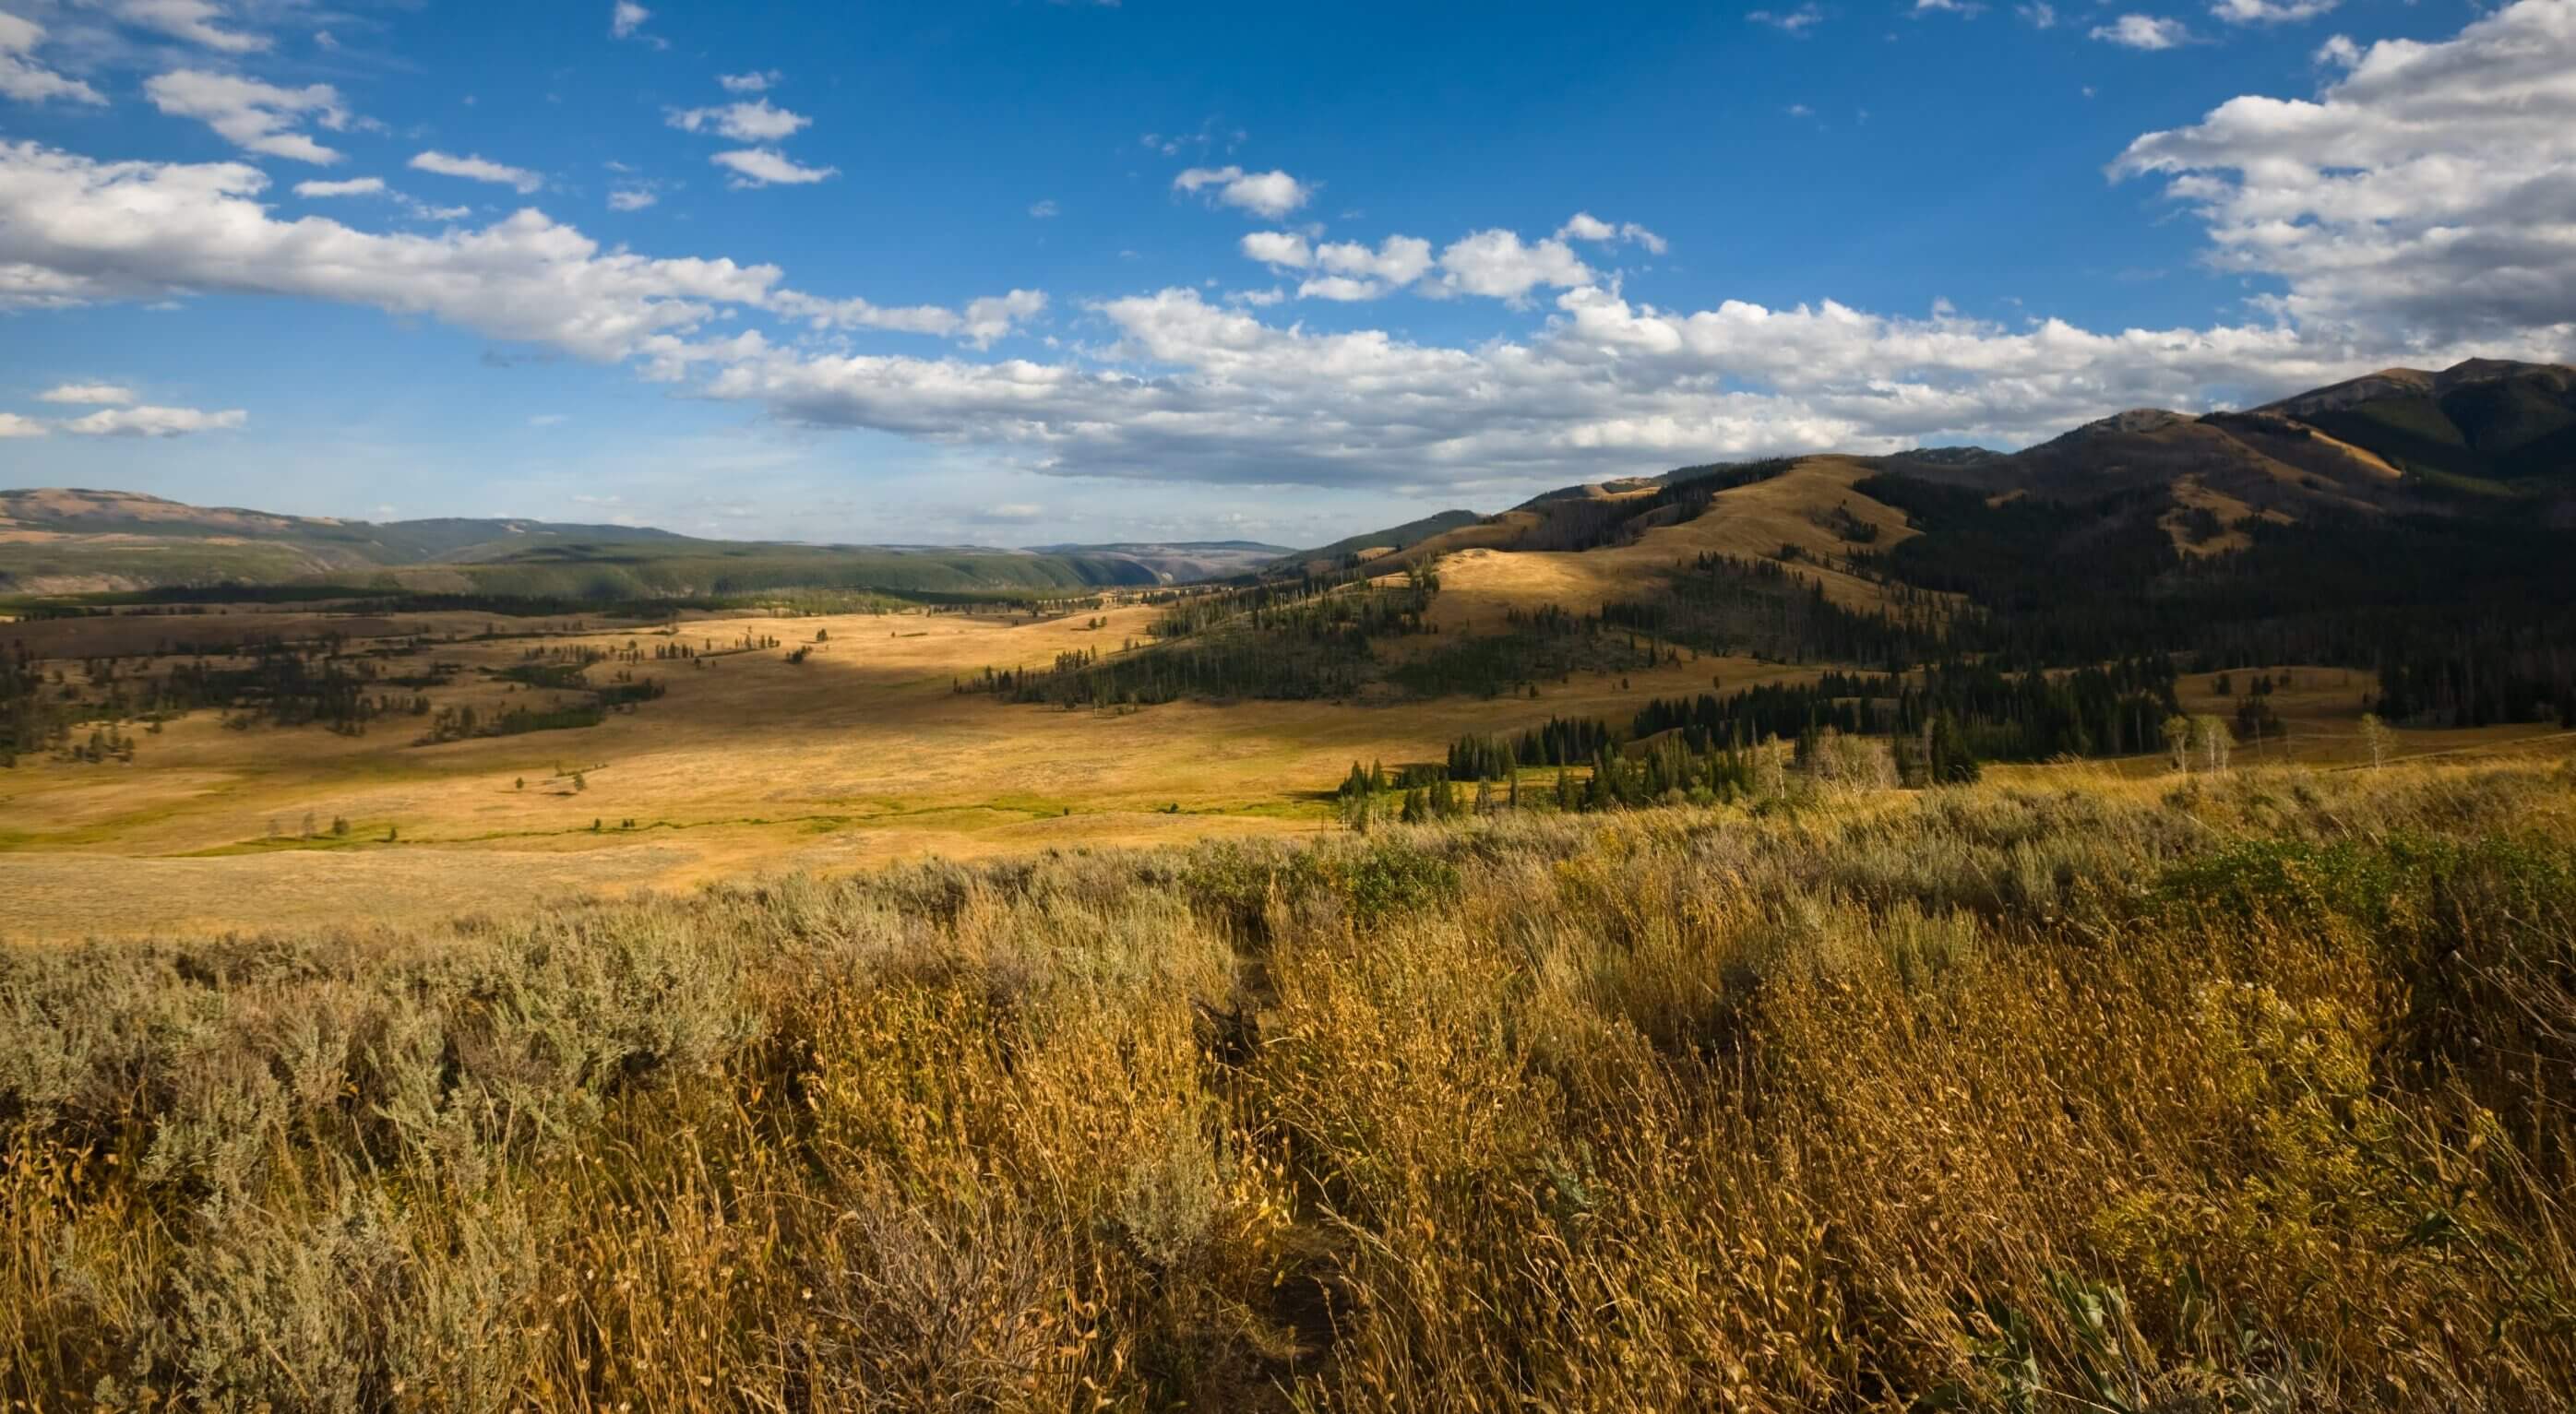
(1542, 645)
(1297, 640)
(1665, 773)
(1562, 741)
(1726, 605)
(2114, 710)
(2501, 673)
(2466, 620)
(1310, 604)
(1220, 665)
(31, 720)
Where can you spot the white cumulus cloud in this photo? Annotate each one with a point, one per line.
(1272, 194)
(1499, 265)
(74, 229)
(767, 166)
(22, 78)
(88, 394)
(756, 121)
(2143, 32)
(2270, 12)
(2413, 210)
(355, 186)
(2424, 193)
(1283, 248)
(149, 421)
(253, 116)
(200, 22)
(478, 169)
(1584, 226)
(1343, 270)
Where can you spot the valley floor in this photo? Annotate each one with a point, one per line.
(862, 753)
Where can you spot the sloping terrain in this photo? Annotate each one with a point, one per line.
(2486, 419)
(1808, 507)
(2401, 442)
(1369, 544)
(2125, 546)
(75, 541)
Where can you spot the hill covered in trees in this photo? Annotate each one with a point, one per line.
(1987, 586)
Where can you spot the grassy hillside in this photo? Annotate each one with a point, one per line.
(2485, 437)
(1394, 537)
(2252, 1093)
(64, 542)
(71, 539)
(2486, 419)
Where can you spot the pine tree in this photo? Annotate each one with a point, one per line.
(1952, 762)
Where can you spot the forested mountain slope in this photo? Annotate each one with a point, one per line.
(2128, 547)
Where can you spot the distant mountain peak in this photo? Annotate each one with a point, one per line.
(1949, 456)
(2137, 420)
(2418, 383)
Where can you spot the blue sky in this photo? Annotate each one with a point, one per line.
(1024, 272)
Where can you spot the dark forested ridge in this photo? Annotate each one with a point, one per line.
(2043, 607)
(2415, 526)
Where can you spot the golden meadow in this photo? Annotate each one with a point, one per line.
(2245, 1092)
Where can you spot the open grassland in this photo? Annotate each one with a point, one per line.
(861, 753)
(2250, 1092)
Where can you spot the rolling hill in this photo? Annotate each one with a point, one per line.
(1378, 542)
(2125, 547)
(2401, 450)
(60, 541)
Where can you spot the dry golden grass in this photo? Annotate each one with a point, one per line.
(2242, 1093)
(860, 755)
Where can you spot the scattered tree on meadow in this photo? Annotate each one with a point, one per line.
(2211, 738)
(2177, 737)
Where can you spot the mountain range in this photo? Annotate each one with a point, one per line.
(68, 540)
(2485, 438)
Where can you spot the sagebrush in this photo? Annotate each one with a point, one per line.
(2251, 1097)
